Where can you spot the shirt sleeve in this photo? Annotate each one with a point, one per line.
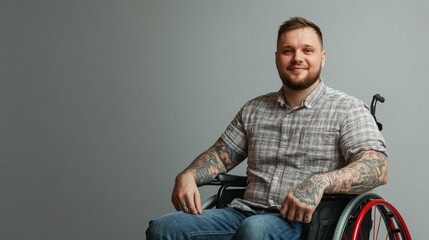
(235, 135)
(359, 131)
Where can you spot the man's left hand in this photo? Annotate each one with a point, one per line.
(301, 202)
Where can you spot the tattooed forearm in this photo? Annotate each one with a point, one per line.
(205, 167)
(366, 171)
(217, 159)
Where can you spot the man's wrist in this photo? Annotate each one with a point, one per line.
(185, 174)
(320, 181)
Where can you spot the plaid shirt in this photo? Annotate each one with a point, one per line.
(285, 146)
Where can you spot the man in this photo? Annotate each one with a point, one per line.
(300, 142)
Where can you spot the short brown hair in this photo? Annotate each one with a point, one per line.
(298, 22)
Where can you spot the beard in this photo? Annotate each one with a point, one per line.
(302, 84)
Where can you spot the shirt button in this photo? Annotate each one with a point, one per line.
(271, 202)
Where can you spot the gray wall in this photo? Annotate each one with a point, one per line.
(102, 103)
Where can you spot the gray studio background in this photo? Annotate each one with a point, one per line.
(102, 103)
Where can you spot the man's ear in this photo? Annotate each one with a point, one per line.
(323, 58)
(275, 58)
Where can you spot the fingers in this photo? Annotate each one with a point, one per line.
(176, 205)
(299, 216)
(192, 207)
(296, 214)
(185, 196)
(197, 201)
(307, 218)
(184, 207)
(176, 202)
(302, 216)
(189, 203)
(295, 211)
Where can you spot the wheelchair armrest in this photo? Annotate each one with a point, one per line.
(230, 180)
(233, 180)
(338, 196)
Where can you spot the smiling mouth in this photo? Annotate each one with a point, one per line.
(296, 69)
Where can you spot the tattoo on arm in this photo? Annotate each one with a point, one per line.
(309, 190)
(367, 170)
(217, 159)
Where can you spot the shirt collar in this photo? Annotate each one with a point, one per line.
(311, 99)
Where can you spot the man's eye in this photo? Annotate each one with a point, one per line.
(308, 50)
(287, 52)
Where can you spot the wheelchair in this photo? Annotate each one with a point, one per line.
(338, 216)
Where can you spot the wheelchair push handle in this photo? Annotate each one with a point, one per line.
(376, 98)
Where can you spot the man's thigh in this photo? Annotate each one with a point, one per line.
(268, 226)
(212, 223)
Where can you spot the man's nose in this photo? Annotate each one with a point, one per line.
(298, 57)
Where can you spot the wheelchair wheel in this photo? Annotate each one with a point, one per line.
(395, 227)
(369, 216)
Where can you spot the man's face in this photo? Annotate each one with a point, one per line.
(299, 58)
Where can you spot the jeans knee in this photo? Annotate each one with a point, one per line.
(250, 228)
(267, 227)
(155, 230)
(162, 228)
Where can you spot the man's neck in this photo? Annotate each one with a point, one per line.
(295, 98)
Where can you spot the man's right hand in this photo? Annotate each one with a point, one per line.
(185, 196)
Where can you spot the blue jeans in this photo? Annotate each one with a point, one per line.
(224, 223)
